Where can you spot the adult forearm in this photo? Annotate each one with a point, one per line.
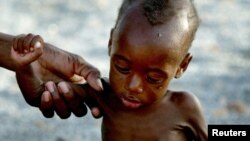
(60, 61)
(5, 47)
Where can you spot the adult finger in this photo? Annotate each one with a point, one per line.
(60, 107)
(91, 102)
(69, 93)
(93, 106)
(90, 73)
(96, 112)
(94, 81)
(46, 106)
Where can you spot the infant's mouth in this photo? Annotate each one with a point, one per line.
(131, 102)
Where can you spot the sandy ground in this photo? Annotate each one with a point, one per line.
(219, 74)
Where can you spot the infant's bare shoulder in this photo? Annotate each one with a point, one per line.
(185, 101)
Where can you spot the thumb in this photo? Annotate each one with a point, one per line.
(91, 74)
(94, 81)
(84, 69)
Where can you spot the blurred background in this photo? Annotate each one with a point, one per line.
(219, 74)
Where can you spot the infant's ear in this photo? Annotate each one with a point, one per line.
(110, 41)
(184, 65)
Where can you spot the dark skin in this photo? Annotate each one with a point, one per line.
(66, 66)
(142, 66)
(137, 104)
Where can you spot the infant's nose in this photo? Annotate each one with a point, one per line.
(135, 85)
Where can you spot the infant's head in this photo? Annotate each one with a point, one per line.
(148, 47)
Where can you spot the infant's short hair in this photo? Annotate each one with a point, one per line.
(159, 11)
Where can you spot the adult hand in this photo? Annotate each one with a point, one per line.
(72, 68)
(55, 65)
(71, 102)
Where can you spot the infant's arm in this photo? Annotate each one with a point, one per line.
(191, 109)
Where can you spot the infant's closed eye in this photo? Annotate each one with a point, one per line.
(122, 69)
(155, 77)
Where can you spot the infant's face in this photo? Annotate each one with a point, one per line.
(144, 59)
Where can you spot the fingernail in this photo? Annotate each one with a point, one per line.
(99, 83)
(50, 88)
(31, 49)
(46, 97)
(95, 112)
(63, 87)
(25, 51)
(38, 45)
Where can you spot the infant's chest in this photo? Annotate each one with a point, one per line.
(138, 128)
